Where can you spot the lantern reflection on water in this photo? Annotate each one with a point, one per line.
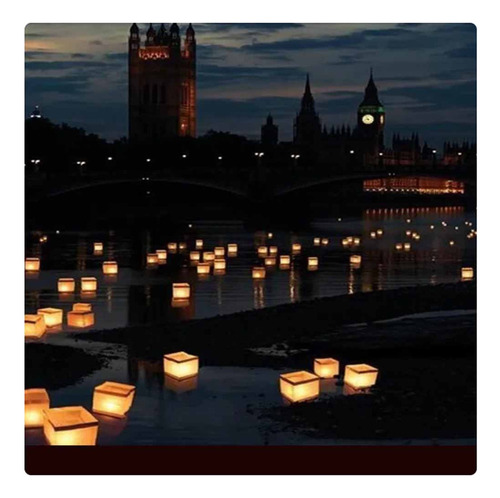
(326, 368)
(32, 264)
(467, 273)
(113, 399)
(152, 258)
(34, 326)
(66, 285)
(194, 255)
(35, 402)
(181, 385)
(208, 256)
(180, 365)
(80, 318)
(181, 291)
(312, 263)
(162, 255)
(360, 376)
(258, 272)
(51, 316)
(219, 252)
(110, 267)
(82, 307)
(88, 284)
(70, 426)
(299, 386)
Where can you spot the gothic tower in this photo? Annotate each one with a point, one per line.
(307, 126)
(162, 84)
(371, 118)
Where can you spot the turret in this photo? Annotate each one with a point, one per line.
(150, 36)
(175, 42)
(134, 40)
(190, 42)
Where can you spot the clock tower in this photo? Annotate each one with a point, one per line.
(371, 117)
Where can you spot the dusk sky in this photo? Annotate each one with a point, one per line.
(425, 73)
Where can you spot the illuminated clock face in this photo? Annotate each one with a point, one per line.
(368, 119)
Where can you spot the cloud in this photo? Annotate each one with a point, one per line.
(467, 51)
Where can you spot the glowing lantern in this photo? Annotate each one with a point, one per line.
(219, 252)
(408, 233)
(51, 316)
(296, 247)
(258, 272)
(208, 256)
(316, 241)
(180, 365)
(356, 241)
(32, 264)
(360, 376)
(194, 255)
(203, 268)
(324, 242)
(35, 402)
(452, 242)
(82, 307)
(373, 235)
(172, 246)
(262, 251)
(326, 368)
(299, 386)
(312, 263)
(66, 285)
(181, 291)
(110, 268)
(113, 399)
(350, 240)
(98, 247)
(80, 318)
(399, 246)
(34, 325)
(269, 261)
(380, 232)
(199, 244)
(345, 242)
(273, 250)
(432, 227)
(152, 258)
(407, 246)
(162, 255)
(219, 264)
(270, 235)
(182, 246)
(88, 284)
(467, 273)
(70, 426)
(232, 249)
(416, 236)
(284, 259)
(355, 259)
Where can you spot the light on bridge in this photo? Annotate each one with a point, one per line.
(351, 152)
(110, 158)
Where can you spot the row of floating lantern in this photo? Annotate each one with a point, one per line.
(400, 246)
(67, 285)
(351, 241)
(317, 241)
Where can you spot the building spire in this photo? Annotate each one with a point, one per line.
(307, 105)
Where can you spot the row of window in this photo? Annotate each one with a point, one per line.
(158, 95)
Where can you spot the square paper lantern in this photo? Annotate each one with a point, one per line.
(34, 325)
(32, 264)
(399, 246)
(180, 365)
(373, 235)
(262, 251)
(258, 272)
(324, 242)
(35, 402)
(380, 232)
(182, 246)
(66, 285)
(80, 318)
(408, 233)
(162, 255)
(152, 258)
(219, 264)
(350, 240)
(203, 268)
(407, 246)
(345, 242)
(284, 259)
(467, 273)
(269, 261)
(110, 268)
(113, 399)
(82, 307)
(232, 248)
(208, 256)
(219, 252)
(88, 284)
(194, 255)
(199, 244)
(98, 247)
(296, 247)
(299, 386)
(273, 250)
(355, 259)
(181, 291)
(172, 246)
(326, 368)
(316, 241)
(70, 426)
(312, 263)
(356, 241)
(52, 316)
(360, 376)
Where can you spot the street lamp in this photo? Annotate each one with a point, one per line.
(110, 158)
(351, 152)
(184, 156)
(148, 160)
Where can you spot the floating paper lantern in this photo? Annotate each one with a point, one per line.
(316, 241)
(172, 246)
(34, 326)
(35, 402)
(219, 252)
(152, 258)
(262, 251)
(194, 255)
(203, 268)
(432, 227)
(399, 246)
(373, 235)
(110, 268)
(356, 241)
(406, 246)
(324, 242)
(299, 386)
(380, 232)
(312, 263)
(199, 244)
(452, 242)
(88, 284)
(258, 272)
(296, 247)
(113, 399)
(284, 259)
(232, 248)
(273, 250)
(82, 307)
(350, 240)
(66, 285)
(162, 255)
(355, 259)
(180, 365)
(182, 246)
(467, 273)
(326, 368)
(52, 316)
(408, 233)
(181, 291)
(98, 246)
(219, 264)
(345, 242)
(360, 376)
(70, 426)
(270, 235)
(208, 256)
(80, 318)
(269, 261)
(32, 264)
